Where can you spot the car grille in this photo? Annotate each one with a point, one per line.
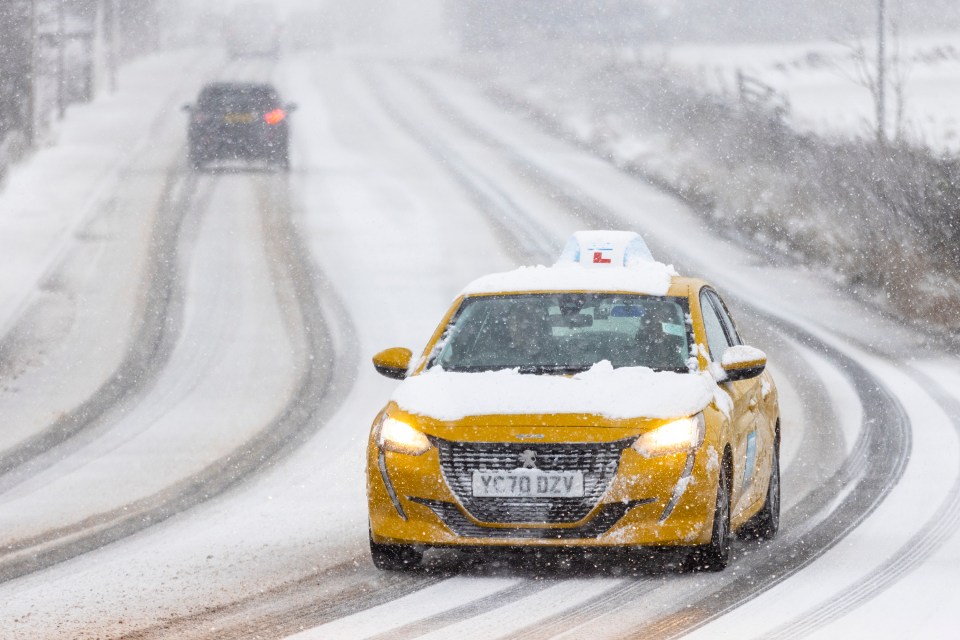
(608, 516)
(597, 461)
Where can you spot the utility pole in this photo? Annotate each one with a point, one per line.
(61, 59)
(881, 72)
(30, 128)
(112, 24)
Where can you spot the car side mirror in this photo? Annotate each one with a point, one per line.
(741, 362)
(291, 106)
(393, 363)
(187, 107)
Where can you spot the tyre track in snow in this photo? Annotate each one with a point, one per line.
(329, 345)
(869, 473)
(100, 198)
(610, 600)
(148, 348)
(475, 608)
(291, 607)
(932, 535)
(295, 606)
(522, 236)
(353, 586)
(157, 325)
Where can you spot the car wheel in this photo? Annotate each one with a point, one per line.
(716, 555)
(394, 557)
(766, 523)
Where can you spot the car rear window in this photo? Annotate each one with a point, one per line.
(566, 332)
(238, 98)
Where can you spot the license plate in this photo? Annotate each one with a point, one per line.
(528, 483)
(238, 118)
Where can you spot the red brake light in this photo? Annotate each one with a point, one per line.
(275, 116)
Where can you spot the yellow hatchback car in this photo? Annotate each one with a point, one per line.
(601, 402)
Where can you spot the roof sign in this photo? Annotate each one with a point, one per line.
(605, 248)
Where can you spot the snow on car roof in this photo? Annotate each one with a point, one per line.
(591, 261)
(651, 278)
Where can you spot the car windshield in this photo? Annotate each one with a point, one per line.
(566, 332)
(238, 98)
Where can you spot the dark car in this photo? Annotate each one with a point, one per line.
(239, 120)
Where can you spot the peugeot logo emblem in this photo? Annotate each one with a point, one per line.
(528, 459)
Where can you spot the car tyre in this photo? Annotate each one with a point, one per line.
(766, 523)
(394, 557)
(715, 555)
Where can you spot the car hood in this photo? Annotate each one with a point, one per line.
(617, 394)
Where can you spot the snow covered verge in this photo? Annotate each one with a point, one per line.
(885, 220)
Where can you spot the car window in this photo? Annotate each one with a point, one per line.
(239, 98)
(716, 336)
(733, 335)
(546, 333)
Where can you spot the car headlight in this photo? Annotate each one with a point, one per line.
(398, 436)
(677, 436)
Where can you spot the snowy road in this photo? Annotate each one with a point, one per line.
(186, 390)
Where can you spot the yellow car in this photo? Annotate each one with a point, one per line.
(601, 402)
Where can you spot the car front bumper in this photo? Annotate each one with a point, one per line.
(663, 501)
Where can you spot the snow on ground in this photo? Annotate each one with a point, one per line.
(88, 152)
(823, 82)
(794, 293)
(396, 237)
(78, 244)
(308, 514)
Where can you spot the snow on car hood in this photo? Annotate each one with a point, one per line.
(652, 278)
(617, 394)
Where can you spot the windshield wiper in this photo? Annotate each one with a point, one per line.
(553, 368)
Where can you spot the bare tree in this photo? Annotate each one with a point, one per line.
(879, 74)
